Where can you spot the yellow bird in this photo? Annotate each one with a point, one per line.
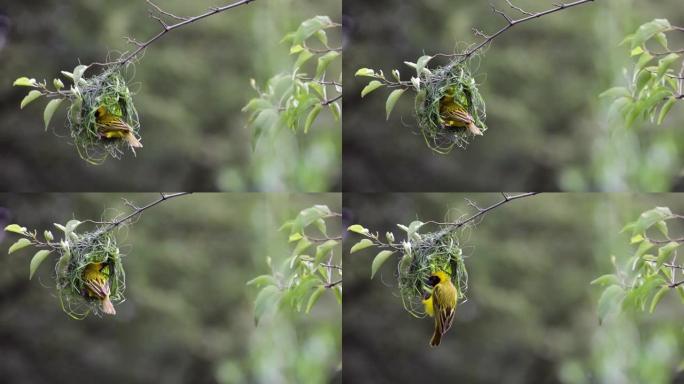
(441, 304)
(96, 279)
(111, 126)
(454, 115)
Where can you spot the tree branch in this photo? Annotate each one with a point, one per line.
(127, 57)
(138, 210)
(510, 24)
(483, 211)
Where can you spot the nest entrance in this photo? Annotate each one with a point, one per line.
(453, 80)
(77, 253)
(434, 251)
(107, 89)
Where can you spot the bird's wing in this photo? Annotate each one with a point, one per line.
(444, 312)
(98, 286)
(115, 125)
(461, 115)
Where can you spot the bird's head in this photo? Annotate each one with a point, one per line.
(100, 111)
(437, 277)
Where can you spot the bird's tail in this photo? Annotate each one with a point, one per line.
(474, 129)
(107, 306)
(133, 141)
(436, 338)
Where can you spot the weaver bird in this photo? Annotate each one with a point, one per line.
(96, 279)
(453, 115)
(110, 126)
(441, 304)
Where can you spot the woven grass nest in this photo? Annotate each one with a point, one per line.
(77, 252)
(108, 89)
(453, 80)
(434, 251)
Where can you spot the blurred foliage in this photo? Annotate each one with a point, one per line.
(296, 99)
(641, 281)
(301, 279)
(189, 89)
(548, 129)
(188, 316)
(531, 314)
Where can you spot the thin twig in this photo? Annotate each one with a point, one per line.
(138, 210)
(334, 283)
(510, 23)
(170, 27)
(482, 211)
(330, 101)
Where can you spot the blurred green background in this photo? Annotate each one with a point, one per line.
(191, 86)
(548, 130)
(531, 312)
(188, 316)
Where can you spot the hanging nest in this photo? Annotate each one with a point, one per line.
(453, 80)
(76, 253)
(108, 89)
(434, 251)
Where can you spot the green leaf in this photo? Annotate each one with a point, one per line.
(312, 117)
(266, 300)
(50, 109)
(379, 259)
(367, 72)
(304, 56)
(335, 110)
(58, 84)
(314, 297)
(301, 246)
(322, 37)
(324, 249)
(71, 226)
(36, 260)
(662, 227)
(262, 280)
(666, 109)
(24, 82)
(421, 63)
(324, 61)
(643, 248)
(665, 251)
(609, 279)
(372, 86)
(78, 73)
(15, 228)
(609, 301)
(642, 79)
(296, 49)
(616, 92)
(19, 244)
(392, 101)
(363, 244)
(356, 228)
(648, 30)
(310, 27)
(657, 297)
(662, 39)
(644, 59)
(48, 235)
(665, 63)
(32, 95)
(636, 51)
(649, 218)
